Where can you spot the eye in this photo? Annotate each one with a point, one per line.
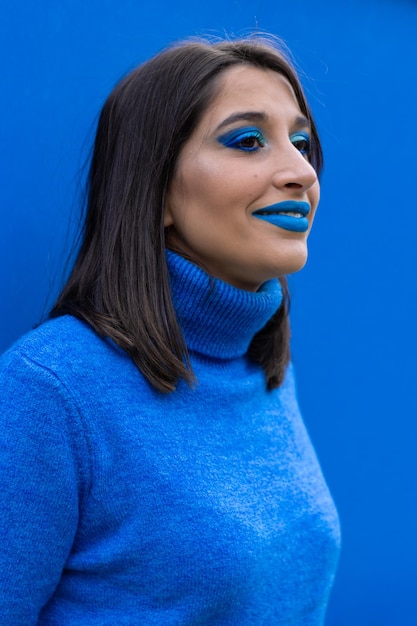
(246, 139)
(302, 142)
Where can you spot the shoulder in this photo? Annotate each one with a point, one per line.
(62, 345)
(54, 338)
(44, 370)
(66, 358)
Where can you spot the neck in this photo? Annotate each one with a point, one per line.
(217, 319)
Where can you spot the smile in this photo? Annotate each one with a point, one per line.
(289, 215)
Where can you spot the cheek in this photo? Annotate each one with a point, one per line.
(201, 189)
(212, 189)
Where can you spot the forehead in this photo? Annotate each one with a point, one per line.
(248, 88)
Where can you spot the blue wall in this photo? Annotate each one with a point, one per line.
(354, 306)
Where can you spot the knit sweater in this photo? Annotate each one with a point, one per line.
(121, 505)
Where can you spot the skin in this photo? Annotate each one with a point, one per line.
(216, 188)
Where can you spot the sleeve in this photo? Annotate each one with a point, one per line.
(41, 482)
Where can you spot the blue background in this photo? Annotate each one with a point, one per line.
(354, 306)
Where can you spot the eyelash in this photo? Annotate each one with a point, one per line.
(236, 139)
(302, 142)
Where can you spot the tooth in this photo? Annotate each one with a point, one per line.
(289, 213)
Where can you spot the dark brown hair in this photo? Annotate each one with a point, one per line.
(119, 283)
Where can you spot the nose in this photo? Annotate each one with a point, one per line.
(293, 170)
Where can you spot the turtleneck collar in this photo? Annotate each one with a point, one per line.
(217, 319)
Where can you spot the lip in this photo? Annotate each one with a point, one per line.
(276, 214)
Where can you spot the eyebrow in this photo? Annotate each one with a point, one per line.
(258, 116)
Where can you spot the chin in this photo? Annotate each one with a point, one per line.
(292, 264)
(297, 267)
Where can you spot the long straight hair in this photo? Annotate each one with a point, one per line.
(119, 283)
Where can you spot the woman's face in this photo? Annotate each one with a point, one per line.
(243, 197)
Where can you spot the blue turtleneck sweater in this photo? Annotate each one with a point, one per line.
(124, 506)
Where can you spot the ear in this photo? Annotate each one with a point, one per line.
(168, 219)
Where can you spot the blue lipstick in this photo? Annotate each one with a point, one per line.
(290, 215)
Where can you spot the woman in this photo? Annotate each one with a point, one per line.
(156, 467)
